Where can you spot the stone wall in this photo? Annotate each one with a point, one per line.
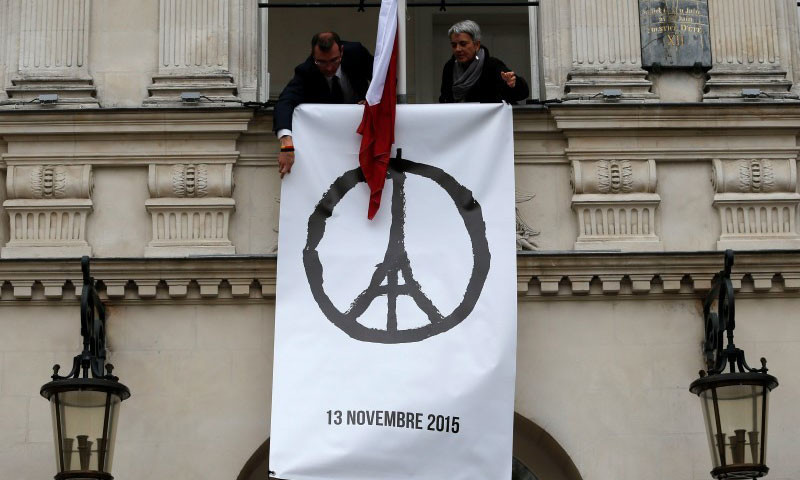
(607, 347)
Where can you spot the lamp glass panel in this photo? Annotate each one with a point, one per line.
(79, 417)
(737, 440)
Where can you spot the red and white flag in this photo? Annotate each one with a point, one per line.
(377, 125)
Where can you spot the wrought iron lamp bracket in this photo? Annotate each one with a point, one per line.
(721, 323)
(93, 330)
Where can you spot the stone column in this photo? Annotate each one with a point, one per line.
(53, 52)
(197, 52)
(555, 46)
(5, 15)
(245, 51)
(606, 50)
(750, 49)
(793, 34)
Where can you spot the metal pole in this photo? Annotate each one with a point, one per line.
(402, 93)
(533, 38)
(448, 3)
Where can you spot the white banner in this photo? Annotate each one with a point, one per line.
(395, 339)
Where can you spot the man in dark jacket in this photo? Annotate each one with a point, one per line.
(472, 75)
(335, 72)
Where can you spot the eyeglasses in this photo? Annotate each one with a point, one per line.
(325, 63)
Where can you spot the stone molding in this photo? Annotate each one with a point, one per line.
(751, 52)
(47, 207)
(53, 54)
(757, 202)
(628, 119)
(218, 89)
(549, 276)
(190, 209)
(154, 124)
(541, 276)
(126, 159)
(615, 203)
(236, 278)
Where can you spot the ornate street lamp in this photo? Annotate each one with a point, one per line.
(735, 403)
(85, 409)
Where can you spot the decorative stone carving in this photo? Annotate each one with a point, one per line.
(606, 50)
(757, 203)
(751, 42)
(198, 53)
(190, 208)
(615, 202)
(525, 233)
(50, 181)
(53, 53)
(613, 176)
(191, 180)
(47, 208)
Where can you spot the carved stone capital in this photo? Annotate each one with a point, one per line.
(613, 176)
(47, 208)
(190, 208)
(191, 180)
(49, 181)
(757, 203)
(615, 203)
(754, 175)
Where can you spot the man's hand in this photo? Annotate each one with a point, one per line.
(509, 78)
(285, 159)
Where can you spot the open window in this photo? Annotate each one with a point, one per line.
(510, 33)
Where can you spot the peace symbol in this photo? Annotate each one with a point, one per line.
(396, 259)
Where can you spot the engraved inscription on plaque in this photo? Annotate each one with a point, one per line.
(675, 33)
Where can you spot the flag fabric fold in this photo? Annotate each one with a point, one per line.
(377, 124)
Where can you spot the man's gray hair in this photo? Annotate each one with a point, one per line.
(466, 26)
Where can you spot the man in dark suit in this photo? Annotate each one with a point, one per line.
(335, 72)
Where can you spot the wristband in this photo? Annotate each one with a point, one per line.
(287, 149)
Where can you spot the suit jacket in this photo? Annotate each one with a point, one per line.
(490, 87)
(310, 86)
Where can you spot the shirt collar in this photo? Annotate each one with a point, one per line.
(337, 74)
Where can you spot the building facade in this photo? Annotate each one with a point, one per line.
(632, 176)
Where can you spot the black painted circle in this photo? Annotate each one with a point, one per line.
(469, 210)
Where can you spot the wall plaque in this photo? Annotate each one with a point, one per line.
(675, 33)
